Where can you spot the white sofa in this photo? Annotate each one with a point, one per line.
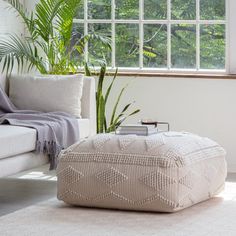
(17, 144)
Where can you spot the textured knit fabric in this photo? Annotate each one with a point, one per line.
(56, 93)
(55, 130)
(165, 172)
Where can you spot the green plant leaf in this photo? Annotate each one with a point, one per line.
(50, 44)
(149, 54)
(65, 16)
(101, 78)
(101, 103)
(87, 70)
(110, 86)
(14, 48)
(46, 11)
(101, 114)
(27, 18)
(116, 105)
(121, 118)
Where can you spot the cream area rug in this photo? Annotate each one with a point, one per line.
(216, 217)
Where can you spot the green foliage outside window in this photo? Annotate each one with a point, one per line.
(183, 35)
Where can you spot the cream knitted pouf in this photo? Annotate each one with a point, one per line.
(165, 172)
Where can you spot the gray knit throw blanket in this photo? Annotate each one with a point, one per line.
(55, 130)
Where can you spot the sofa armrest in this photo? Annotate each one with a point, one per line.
(88, 103)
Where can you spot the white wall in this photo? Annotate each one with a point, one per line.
(30, 4)
(9, 22)
(203, 106)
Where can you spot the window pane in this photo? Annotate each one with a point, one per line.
(183, 46)
(155, 46)
(80, 13)
(127, 9)
(212, 54)
(99, 51)
(77, 34)
(127, 45)
(155, 10)
(99, 9)
(212, 9)
(183, 9)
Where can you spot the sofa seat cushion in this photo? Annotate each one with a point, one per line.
(15, 140)
(165, 172)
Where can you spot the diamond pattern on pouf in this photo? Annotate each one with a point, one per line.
(70, 175)
(74, 196)
(156, 197)
(111, 177)
(100, 140)
(187, 199)
(157, 180)
(153, 142)
(126, 140)
(112, 195)
(187, 180)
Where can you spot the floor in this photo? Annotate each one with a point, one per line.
(26, 188)
(33, 186)
(215, 217)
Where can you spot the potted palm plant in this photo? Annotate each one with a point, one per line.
(49, 45)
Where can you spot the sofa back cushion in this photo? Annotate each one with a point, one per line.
(47, 93)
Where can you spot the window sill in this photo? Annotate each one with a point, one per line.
(174, 74)
(177, 75)
(168, 74)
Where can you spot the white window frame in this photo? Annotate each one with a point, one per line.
(230, 35)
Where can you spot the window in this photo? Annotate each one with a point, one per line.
(163, 35)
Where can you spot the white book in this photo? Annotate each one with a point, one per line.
(144, 130)
(137, 127)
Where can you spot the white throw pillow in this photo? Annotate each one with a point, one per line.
(47, 93)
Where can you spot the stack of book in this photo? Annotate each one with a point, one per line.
(138, 129)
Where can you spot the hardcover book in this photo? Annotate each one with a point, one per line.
(137, 129)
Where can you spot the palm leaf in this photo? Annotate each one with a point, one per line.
(22, 12)
(102, 39)
(80, 44)
(48, 42)
(46, 11)
(65, 16)
(92, 38)
(16, 49)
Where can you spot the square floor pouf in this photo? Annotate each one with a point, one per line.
(165, 172)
